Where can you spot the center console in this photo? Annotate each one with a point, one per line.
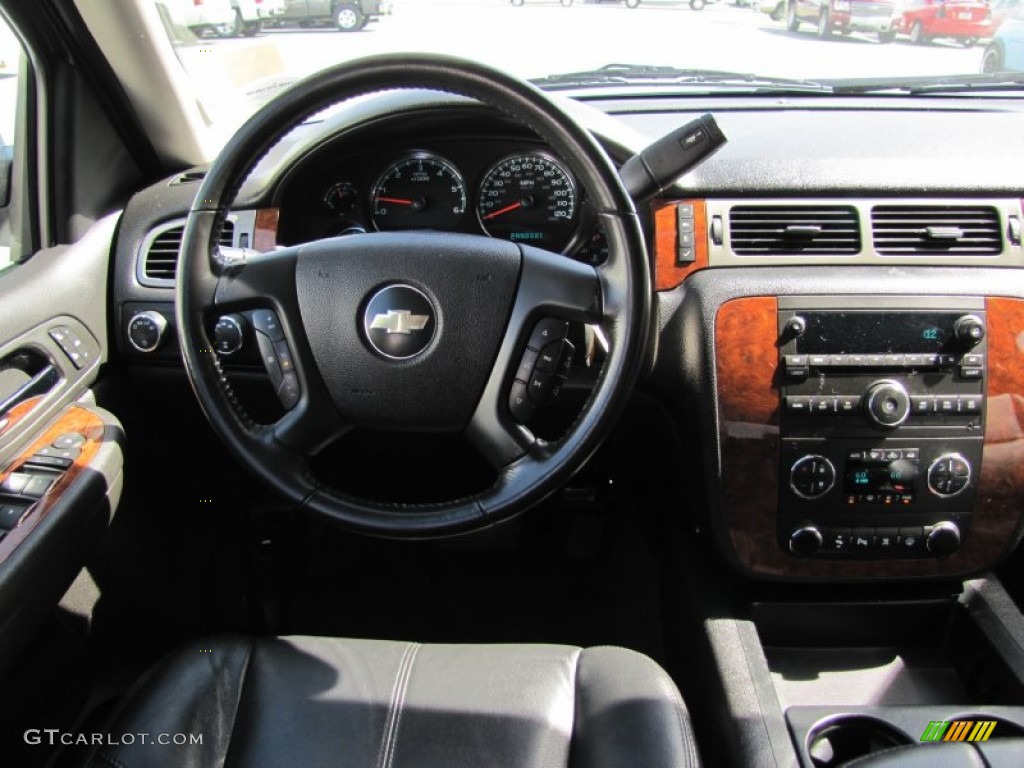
(882, 425)
(868, 436)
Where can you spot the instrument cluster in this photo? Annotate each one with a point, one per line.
(526, 195)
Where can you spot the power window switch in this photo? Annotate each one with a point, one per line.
(37, 486)
(10, 515)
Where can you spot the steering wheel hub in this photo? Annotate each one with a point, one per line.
(399, 321)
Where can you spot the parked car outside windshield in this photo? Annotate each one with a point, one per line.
(830, 41)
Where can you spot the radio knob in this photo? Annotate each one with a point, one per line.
(794, 327)
(943, 539)
(969, 330)
(805, 541)
(886, 403)
(146, 330)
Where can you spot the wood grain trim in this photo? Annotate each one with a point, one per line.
(748, 399)
(75, 419)
(668, 274)
(19, 412)
(265, 237)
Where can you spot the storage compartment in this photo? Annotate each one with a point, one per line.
(857, 678)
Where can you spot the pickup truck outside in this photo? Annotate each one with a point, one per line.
(346, 15)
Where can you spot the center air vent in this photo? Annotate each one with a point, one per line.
(161, 256)
(956, 230)
(783, 230)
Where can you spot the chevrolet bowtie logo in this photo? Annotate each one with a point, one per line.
(399, 321)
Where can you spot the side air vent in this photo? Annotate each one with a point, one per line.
(161, 258)
(782, 230)
(936, 230)
(189, 177)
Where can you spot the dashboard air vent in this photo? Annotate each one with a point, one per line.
(956, 230)
(189, 177)
(161, 260)
(786, 230)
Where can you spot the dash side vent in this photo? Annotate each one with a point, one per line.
(936, 230)
(161, 258)
(776, 230)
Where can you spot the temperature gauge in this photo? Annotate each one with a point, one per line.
(340, 198)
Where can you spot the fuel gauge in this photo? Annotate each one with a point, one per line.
(340, 198)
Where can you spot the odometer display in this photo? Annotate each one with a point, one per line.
(529, 198)
(421, 191)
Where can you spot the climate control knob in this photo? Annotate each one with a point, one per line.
(943, 539)
(805, 541)
(969, 330)
(812, 476)
(146, 330)
(949, 475)
(887, 403)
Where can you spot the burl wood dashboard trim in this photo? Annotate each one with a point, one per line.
(748, 411)
(74, 419)
(265, 237)
(667, 273)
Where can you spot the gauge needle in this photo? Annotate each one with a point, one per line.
(395, 200)
(506, 209)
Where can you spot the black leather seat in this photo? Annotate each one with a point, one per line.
(307, 702)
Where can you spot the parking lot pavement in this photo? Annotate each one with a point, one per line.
(540, 38)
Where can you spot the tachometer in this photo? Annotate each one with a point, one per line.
(420, 191)
(529, 198)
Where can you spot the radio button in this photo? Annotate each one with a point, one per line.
(847, 405)
(874, 361)
(969, 404)
(944, 404)
(978, 360)
(969, 372)
(915, 361)
(886, 539)
(798, 405)
(946, 360)
(838, 361)
(894, 361)
(823, 405)
(818, 361)
(796, 361)
(921, 404)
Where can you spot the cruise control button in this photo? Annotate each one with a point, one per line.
(289, 392)
(519, 403)
(266, 322)
(269, 356)
(547, 330)
(284, 356)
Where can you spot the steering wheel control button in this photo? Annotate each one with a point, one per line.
(289, 391)
(284, 357)
(399, 322)
(887, 403)
(547, 361)
(229, 334)
(541, 388)
(949, 475)
(526, 364)
(811, 477)
(266, 322)
(145, 333)
(270, 362)
(69, 440)
(519, 402)
(547, 330)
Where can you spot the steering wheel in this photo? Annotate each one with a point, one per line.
(412, 331)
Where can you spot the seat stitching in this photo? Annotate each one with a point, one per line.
(238, 700)
(389, 737)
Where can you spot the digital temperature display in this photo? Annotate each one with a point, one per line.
(881, 480)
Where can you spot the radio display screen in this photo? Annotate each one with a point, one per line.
(886, 481)
(876, 332)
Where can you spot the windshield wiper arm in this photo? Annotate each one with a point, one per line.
(634, 74)
(922, 86)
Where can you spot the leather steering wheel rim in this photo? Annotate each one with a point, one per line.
(622, 307)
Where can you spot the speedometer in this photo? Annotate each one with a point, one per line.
(420, 191)
(529, 198)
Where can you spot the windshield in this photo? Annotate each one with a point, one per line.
(240, 52)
